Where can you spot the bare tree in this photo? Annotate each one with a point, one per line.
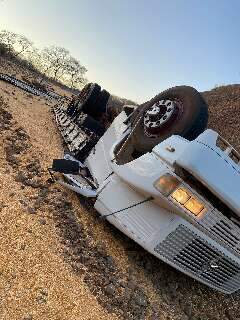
(79, 82)
(8, 38)
(34, 57)
(55, 59)
(16, 43)
(3, 49)
(23, 45)
(75, 72)
(55, 62)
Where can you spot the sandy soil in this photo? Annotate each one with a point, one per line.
(35, 282)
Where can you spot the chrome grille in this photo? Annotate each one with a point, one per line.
(222, 228)
(196, 256)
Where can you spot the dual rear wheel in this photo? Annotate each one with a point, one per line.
(180, 111)
(92, 104)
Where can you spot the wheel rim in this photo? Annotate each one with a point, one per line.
(160, 116)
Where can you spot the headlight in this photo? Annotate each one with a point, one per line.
(194, 206)
(182, 196)
(166, 184)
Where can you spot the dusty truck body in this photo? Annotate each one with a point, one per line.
(174, 191)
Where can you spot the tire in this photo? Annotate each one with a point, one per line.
(88, 105)
(87, 122)
(189, 123)
(101, 104)
(86, 100)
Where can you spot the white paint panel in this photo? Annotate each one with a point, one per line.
(215, 170)
(143, 222)
(98, 161)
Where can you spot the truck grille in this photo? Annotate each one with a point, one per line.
(223, 229)
(196, 256)
(222, 222)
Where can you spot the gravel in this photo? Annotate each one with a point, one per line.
(26, 268)
(28, 317)
(31, 210)
(102, 274)
(42, 221)
(17, 144)
(224, 110)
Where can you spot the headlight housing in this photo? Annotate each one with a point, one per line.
(166, 184)
(181, 195)
(194, 206)
(169, 185)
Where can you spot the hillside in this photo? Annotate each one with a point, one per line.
(58, 260)
(224, 112)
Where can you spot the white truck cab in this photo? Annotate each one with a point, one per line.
(179, 199)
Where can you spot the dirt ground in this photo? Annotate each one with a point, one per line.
(58, 260)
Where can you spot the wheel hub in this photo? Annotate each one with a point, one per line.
(158, 115)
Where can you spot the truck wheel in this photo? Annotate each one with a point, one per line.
(180, 110)
(86, 99)
(87, 122)
(89, 98)
(101, 104)
(73, 107)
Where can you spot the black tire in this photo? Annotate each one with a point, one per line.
(189, 124)
(87, 122)
(84, 90)
(88, 105)
(86, 99)
(101, 104)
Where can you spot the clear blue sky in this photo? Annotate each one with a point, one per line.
(137, 48)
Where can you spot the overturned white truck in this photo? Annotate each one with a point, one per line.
(160, 177)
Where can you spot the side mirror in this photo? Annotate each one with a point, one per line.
(65, 166)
